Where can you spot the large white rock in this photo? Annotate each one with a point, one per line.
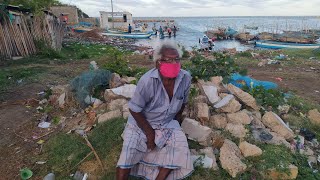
(109, 115)
(276, 124)
(246, 98)
(61, 100)
(224, 101)
(116, 104)
(248, 149)
(212, 93)
(230, 158)
(237, 130)
(126, 91)
(314, 116)
(195, 131)
(202, 112)
(208, 151)
(239, 118)
(218, 121)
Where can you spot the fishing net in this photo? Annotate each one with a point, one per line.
(83, 86)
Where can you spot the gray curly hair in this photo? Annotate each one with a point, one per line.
(157, 54)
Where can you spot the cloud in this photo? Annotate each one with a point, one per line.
(167, 8)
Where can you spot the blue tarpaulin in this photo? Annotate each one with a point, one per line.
(240, 81)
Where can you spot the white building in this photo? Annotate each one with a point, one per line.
(121, 20)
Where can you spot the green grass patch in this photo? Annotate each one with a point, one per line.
(301, 53)
(13, 76)
(64, 151)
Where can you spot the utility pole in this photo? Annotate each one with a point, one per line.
(112, 15)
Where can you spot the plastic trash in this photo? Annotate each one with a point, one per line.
(281, 57)
(307, 134)
(44, 125)
(49, 176)
(26, 173)
(240, 81)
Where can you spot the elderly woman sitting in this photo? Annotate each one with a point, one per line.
(155, 146)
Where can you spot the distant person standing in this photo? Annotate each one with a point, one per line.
(174, 31)
(169, 31)
(161, 33)
(129, 28)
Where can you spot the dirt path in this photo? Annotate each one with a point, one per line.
(301, 80)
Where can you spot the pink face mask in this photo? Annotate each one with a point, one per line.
(170, 70)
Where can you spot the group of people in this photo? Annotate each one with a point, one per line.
(168, 30)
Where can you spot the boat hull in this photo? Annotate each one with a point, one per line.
(279, 45)
(127, 35)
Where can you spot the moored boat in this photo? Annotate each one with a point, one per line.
(281, 45)
(127, 35)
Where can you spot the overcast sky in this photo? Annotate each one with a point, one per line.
(160, 8)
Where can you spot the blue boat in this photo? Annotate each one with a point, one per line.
(127, 35)
(282, 45)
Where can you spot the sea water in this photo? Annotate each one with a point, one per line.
(193, 28)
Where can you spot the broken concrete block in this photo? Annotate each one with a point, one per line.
(249, 150)
(196, 131)
(109, 115)
(202, 111)
(237, 130)
(239, 118)
(244, 97)
(230, 158)
(218, 121)
(126, 90)
(276, 124)
(314, 116)
(116, 104)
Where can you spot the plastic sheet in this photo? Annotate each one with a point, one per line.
(240, 81)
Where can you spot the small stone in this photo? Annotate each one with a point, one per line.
(237, 130)
(249, 150)
(273, 174)
(246, 98)
(276, 124)
(239, 118)
(230, 158)
(109, 115)
(218, 121)
(314, 116)
(307, 151)
(217, 139)
(202, 111)
(196, 131)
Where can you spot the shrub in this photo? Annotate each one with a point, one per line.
(222, 65)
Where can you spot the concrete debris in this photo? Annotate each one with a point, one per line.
(109, 115)
(202, 112)
(212, 93)
(61, 100)
(249, 150)
(116, 104)
(209, 153)
(273, 174)
(195, 131)
(230, 158)
(126, 90)
(314, 116)
(115, 81)
(244, 97)
(276, 124)
(218, 121)
(204, 161)
(239, 118)
(237, 130)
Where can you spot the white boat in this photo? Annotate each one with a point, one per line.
(282, 45)
(127, 35)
